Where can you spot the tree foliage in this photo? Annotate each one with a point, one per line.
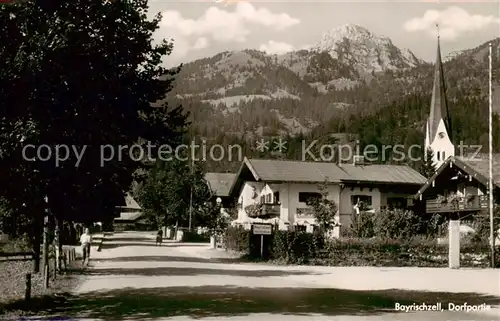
(428, 168)
(84, 75)
(214, 219)
(168, 191)
(324, 209)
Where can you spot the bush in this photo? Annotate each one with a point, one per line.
(288, 247)
(296, 247)
(394, 224)
(398, 224)
(361, 225)
(16, 245)
(236, 238)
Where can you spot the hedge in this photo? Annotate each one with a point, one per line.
(194, 237)
(287, 247)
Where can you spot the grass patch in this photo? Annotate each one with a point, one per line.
(12, 287)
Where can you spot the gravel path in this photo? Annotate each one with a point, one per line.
(133, 279)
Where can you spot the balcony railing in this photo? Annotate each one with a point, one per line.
(271, 209)
(305, 212)
(468, 203)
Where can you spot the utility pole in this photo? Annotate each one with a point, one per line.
(490, 181)
(191, 190)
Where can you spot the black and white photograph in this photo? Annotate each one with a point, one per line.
(286, 160)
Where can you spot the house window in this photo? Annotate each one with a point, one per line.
(276, 197)
(300, 228)
(444, 156)
(306, 197)
(397, 203)
(364, 202)
(268, 198)
(438, 156)
(262, 199)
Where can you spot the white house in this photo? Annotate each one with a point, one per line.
(284, 187)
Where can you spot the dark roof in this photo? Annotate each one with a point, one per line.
(271, 170)
(391, 174)
(439, 105)
(481, 165)
(477, 166)
(220, 183)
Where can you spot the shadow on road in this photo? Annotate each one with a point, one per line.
(212, 301)
(113, 243)
(166, 258)
(182, 271)
(162, 258)
(131, 239)
(181, 244)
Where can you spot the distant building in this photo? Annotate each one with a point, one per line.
(130, 215)
(220, 185)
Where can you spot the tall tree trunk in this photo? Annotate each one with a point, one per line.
(58, 243)
(37, 231)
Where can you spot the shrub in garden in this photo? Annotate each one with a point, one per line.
(398, 224)
(296, 247)
(361, 225)
(236, 238)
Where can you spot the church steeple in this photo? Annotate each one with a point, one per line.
(438, 131)
(439, 104)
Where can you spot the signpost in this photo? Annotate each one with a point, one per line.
(262, 229)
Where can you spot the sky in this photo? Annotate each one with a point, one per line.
(203, 28)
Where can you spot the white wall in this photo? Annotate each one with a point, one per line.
(289, 199)
(293, 202)
(288, 194)
(346, 206)
(247, 193)
(441, 145)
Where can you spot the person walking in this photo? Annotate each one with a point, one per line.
(86, 240)
(159, 237)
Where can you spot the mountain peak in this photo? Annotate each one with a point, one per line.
(364, 50)
(350, 30)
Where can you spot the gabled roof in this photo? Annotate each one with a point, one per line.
(477, 167)
(220, 183)
(277, 171)
(130, 202)
(480, 164)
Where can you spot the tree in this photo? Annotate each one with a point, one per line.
(80, 74)
(428, 168)
(214, 219)
(324, 209)
(165, 190)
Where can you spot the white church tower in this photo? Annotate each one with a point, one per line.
(438, 129)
